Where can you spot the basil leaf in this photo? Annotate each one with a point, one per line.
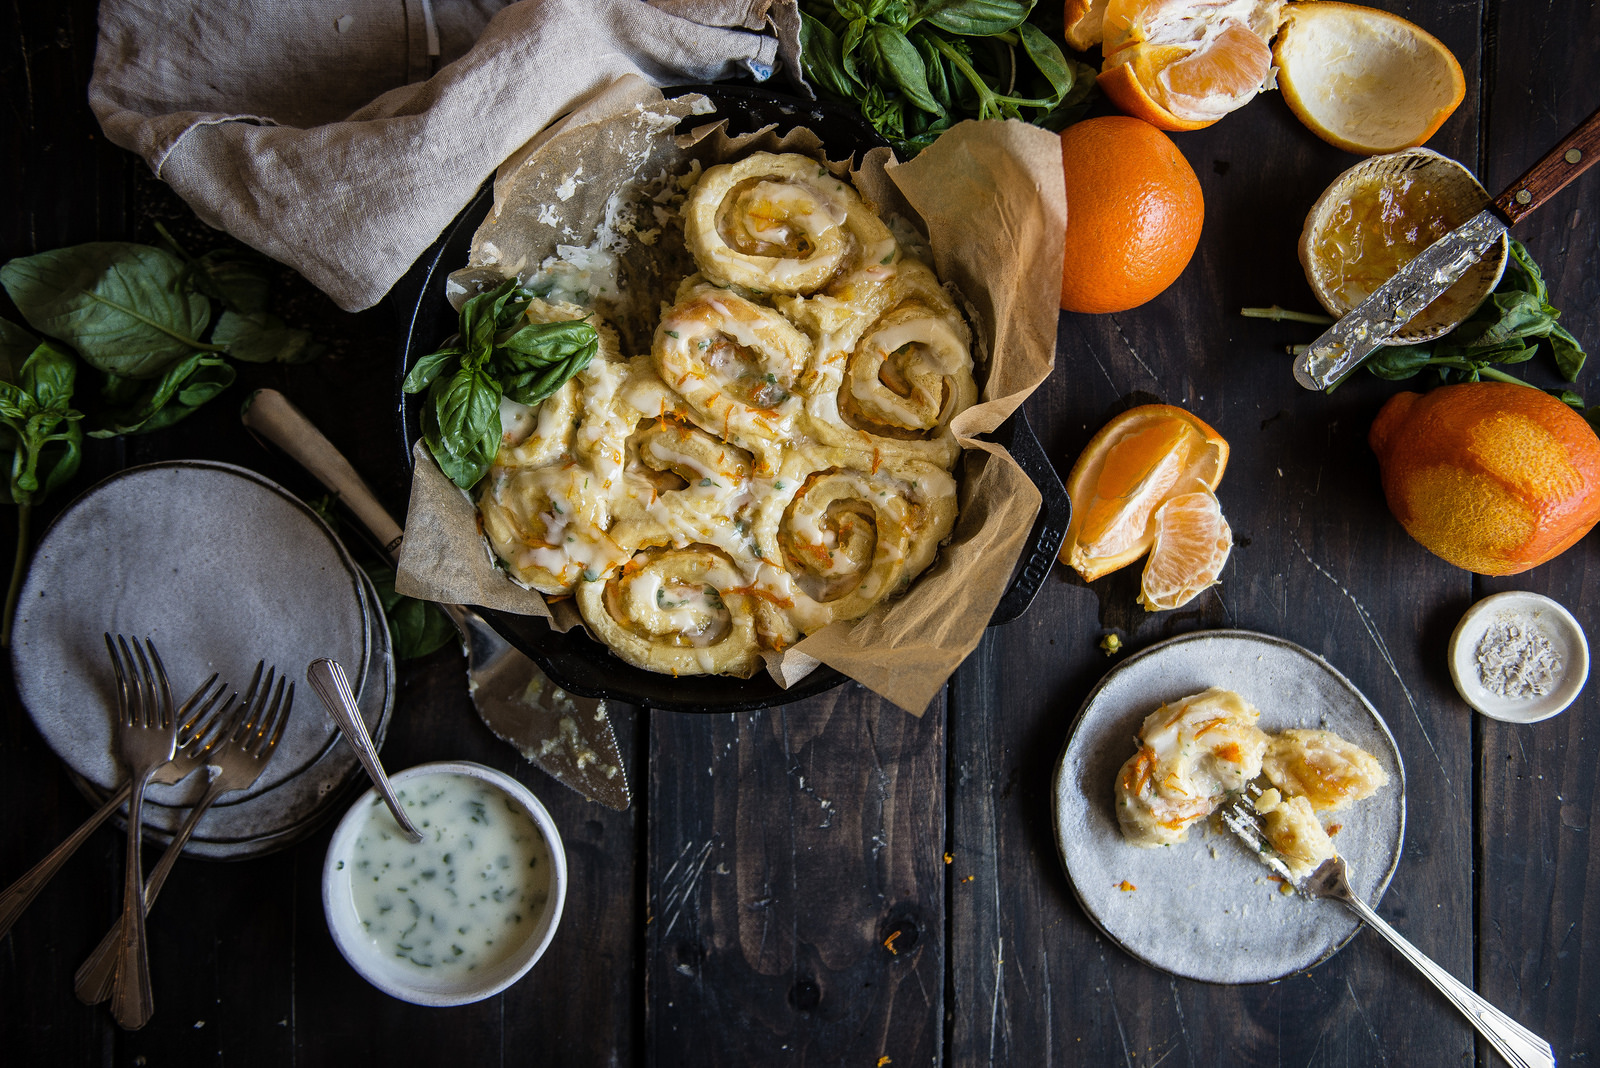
(237, 284)
(461, 424)
(1568, 353)
(117, 303)
(1049, 60)
(974, 18)
(1397, 362)
(425, 370)
(184, 387)
(821, 58)
(896, 59)
(16, 345)
(260, 337)
(849, 46)
(41, 432)
(416, 627)
(1522, 273)
(545, 343)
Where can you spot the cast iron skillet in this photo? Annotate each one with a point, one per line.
(576, 661)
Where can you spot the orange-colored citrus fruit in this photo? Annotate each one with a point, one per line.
(1084, 19)
(1135, 464)
(1134, 212)
(1365, 80)
(1183, 64)
(1191, 545)
(1493, 477)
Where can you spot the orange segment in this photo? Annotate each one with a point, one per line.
(1181, 64)
(1135, 464)
(1192, 542)
(1365, 80)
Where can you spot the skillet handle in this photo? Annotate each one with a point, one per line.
(1049, 526)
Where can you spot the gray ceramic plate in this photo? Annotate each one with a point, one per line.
(220, 568)
(294, 808)
(1205, 909)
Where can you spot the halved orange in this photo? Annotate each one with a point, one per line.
(1191, 546)
(1182, 65)
(1135, 464)
(1365, 80)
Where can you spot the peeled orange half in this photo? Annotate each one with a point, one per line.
(1365, 80)
(1183, 64)
(1137, 463)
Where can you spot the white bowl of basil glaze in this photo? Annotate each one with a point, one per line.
(465, 913)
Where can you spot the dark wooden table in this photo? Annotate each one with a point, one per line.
(738, 913)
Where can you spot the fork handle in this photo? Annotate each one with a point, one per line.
(132, 1000)
(96, 976)
(1518, 1045)
(20, 894)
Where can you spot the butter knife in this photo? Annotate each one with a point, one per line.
(567, 736)
(1357, 335)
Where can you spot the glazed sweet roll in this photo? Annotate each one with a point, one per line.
(736, 364)
(907, 376)
(1191, 754)
(548, 525)
(682, 611)
(773, 224)
(849, 536)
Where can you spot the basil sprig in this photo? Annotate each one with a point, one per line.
(497, 353)
(40, 435)
(1498, 332)
(917, 67)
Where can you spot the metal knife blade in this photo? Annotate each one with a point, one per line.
(1391, 306)
(568, 737)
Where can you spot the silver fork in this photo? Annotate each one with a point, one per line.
(192, 736)
(237, 759)
(1518, 1045)
(147, 738)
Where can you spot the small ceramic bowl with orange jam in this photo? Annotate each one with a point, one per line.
(1377, 216)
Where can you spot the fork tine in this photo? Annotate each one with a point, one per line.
(216, 727)
(248, 704)
(273, 721)
(194, 707)
(164, 697)
(124, 706)
(143, 683)
(288, 703)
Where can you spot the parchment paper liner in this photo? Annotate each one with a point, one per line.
(989, 196)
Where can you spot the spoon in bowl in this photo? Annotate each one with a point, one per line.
(329, 680)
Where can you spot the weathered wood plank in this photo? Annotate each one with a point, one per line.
(1317, 560)
(1539, 891)
(786, 848)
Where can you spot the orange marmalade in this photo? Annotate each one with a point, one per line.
(1378, 229)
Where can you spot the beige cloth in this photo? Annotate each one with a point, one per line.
(313, 130)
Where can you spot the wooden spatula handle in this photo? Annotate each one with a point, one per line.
(1550, 175)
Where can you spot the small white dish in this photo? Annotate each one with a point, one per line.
(1558, 625)
(409, 983)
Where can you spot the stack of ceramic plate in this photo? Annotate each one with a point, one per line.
(220, 568)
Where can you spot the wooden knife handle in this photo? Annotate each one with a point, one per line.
(269, 414)
(1550, 175)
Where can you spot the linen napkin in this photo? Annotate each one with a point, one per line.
(318, 132)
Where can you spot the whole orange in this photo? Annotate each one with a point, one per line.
(1493, 477)
(1133, 213)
